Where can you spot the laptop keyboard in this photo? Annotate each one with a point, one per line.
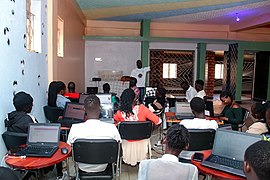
(226, 162)
(38, 149)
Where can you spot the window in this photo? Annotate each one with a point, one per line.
(169, 70)
(219, 71)
(33, 25)
(60, 37)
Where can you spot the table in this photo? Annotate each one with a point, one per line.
(171, 118)
(37, 163)
(213, 172)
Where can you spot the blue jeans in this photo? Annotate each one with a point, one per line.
(142, 93)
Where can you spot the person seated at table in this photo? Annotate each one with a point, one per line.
(18, 120)
(257, 161)
(134, 151)
(159, 100)
(72, 94)
(133, 86)
(199, 122)
(232, 112)
(56, 93)
(168, 167)
(106, 88)
(189, 90)
(199, 88)
(115, 99)
(71, 87)
(93, 128)
(258, 111)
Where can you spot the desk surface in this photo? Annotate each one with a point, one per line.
(29, 163)
(171, 118)
(215, 173)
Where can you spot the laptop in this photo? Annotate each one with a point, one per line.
(228, 151)
(183, 110)
(209, 109)
(73, 113)
(42, 140)
(107, 110)
(82, 98)
(92, 90)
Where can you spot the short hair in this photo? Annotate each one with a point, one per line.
(177, 137)
(258, 156)
(132, 81)
(226, 94)
(200, 82)
(184, 83)
(106, 87)
(71, 86)
(23, 102)
(197, 105)
(162, 91)
(92, 103)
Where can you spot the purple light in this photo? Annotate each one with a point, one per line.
(237, 19)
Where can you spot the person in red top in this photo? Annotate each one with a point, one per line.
(134, 151)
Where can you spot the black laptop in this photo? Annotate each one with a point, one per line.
(229, 149)
(73, 113)
(92, 90)
(42, 140)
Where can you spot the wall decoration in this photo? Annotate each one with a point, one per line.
(6, 31)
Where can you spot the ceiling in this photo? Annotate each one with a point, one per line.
(222, 12)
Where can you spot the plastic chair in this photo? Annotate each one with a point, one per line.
(14, 139)
(96, 151)
(135, 130)
(52, 113)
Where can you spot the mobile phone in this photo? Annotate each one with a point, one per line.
(198, 157)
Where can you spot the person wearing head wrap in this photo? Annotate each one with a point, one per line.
(18, 120)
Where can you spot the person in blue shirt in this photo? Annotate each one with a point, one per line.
(56, 96)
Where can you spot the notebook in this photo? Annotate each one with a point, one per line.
(73, 113)
(42, 140)
(228, 151)
(209, 109)
(92, 90)
(183, 110)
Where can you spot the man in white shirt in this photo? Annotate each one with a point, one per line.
(199, 88)
(168, 167)
(93, 128)
(189, 90)
(140, 74)
(197, 106)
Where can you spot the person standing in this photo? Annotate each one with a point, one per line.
(189, 90)
(140, 73)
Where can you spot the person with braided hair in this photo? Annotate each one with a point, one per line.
(258, 112)
(134, 151)
(168, 167)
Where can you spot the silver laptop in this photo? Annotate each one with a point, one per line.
(82, 98)
(229, 149)
(42, 140)
(183, 110)
(73, 113)
(107, 110)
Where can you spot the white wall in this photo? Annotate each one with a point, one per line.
(119, 56)
(35, 67)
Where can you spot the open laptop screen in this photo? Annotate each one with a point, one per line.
(233, 144)
(105, 98)
(182, 108)
(82, 98)
(74, 111)
(43, 133)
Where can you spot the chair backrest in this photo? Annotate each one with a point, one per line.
(95, 151)
(201, 139)
(7, 173)
(135, 130)
(13, 139)
(52, 113)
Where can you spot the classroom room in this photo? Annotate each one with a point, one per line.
(68, 67)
